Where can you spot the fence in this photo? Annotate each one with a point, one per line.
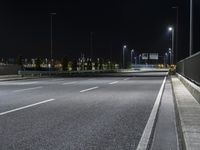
(190, 68)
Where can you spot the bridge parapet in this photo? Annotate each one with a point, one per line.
(190, 68)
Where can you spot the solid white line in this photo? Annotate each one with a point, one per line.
(126, 79)
(24, 107)
(144, 141)
(69, 83)
(113, 82)
(89, 89)
(33, 88)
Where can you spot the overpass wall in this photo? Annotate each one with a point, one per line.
(190, 68)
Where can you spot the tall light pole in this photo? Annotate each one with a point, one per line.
(171, 29)
(177, 24)
(91, 45)
(135, 58)
(132, 51)
(52, 14)
(124, 48)
(191, 28)
(170, 56)
(166, 58)
(140, 58)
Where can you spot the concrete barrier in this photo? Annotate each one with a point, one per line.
(9, 69)
(193, 88)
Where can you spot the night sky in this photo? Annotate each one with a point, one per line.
(141, 24)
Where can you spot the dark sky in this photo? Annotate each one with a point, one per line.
(141, 24)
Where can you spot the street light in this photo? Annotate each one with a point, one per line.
(191, 28)
(132, 51)
(171, 29)
(140, 58)
(166, 58)
(124, 48)
(170, 56)
(177, 24)
(52, 14)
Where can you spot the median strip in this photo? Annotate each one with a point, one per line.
(114, 82)
(96, 87)
(145, 139)
(24, 107)
(33, 88)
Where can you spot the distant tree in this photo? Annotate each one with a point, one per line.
(113, 65)
(101, 64)
(64, 63)
(97, 64)
(38, 62)
(69, 66)
(19, 60)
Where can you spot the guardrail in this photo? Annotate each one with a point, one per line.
(190, 68)
(64, 73)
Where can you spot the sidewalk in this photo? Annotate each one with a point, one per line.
(188, 115)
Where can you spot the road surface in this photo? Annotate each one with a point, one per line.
(76, 113)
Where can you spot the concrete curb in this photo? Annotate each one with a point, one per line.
(188, 110)
(13, 77)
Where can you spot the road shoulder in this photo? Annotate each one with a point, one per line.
(166, 123)
(189, 115)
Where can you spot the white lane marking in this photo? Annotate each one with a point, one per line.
(24, 107)
(69, 83)
(126, 79)
(33, 88)
(58, 80)
(89, 89)
(113, 82)
(17, 83)
(144, 141)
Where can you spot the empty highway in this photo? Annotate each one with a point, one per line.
(76, 113)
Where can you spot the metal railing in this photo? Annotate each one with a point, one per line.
(190, 68)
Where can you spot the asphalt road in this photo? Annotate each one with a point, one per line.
(107, 113)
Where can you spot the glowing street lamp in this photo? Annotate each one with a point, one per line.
(170, 56)
(171, 29)
(51, 15)
(132, 51)
(124, 48)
